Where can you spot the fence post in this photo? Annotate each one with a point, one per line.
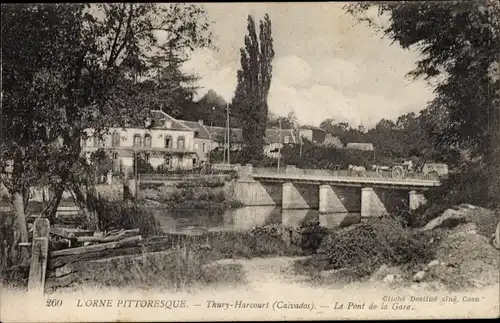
(39, 253)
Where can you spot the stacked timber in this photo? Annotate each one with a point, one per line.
(76, 264)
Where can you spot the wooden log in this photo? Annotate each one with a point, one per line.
(36, 280)
(99, 264)
(70, 233)
(131, 241)
(145, 246)
(101, 239)
(81, 271)
(110, 238)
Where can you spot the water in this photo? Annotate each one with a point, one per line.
(242, 219)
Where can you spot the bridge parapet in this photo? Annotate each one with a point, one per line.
(292, 171)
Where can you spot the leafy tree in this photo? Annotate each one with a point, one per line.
(254, 81)
(171, 89)
(288, 122)
(79, 66)
(459, 43)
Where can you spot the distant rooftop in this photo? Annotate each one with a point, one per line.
(311, 128)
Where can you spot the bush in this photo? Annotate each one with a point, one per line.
(369, 245)
(126, 215)
(466, 186)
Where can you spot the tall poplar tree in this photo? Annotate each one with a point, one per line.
(254, 81)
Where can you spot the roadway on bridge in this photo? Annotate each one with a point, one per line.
(349, 181)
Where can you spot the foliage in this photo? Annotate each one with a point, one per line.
(459, 43)
(211, 108)
(254, 81)
(83, 66)
(205, 195)
(365, 247)
(288, 122)
(126, 215)
(143, 167)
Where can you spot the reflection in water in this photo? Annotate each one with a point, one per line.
(234, 220)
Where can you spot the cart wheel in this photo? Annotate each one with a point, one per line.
(398, 172)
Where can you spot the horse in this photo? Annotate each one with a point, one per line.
(358, 170)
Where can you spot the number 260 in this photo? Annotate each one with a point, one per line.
(53, 303)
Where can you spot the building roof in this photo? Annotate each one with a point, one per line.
(273, 136)
(218, 134)
(159, 118)
(202, 131)
(360, 146)
(312, 128)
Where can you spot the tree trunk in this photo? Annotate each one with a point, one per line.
(54, 204)
(18, 202)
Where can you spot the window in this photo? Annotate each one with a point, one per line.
(167, 161)
(286, 139)
(180, 143)
(147, 140)
(168, 142)
(194, 161)
(204, 147)
(115, 156)
(146, 158)
(115, 139)
(137, 140)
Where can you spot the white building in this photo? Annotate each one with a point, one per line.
(166, 142)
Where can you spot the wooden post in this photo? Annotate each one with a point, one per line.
(40, 248)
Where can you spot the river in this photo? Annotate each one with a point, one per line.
(241, 219)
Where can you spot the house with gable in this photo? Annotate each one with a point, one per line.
(202, 143)
(164, 141)
(276, 139)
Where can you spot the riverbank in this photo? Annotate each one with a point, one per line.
(202, 194)
(451, 252)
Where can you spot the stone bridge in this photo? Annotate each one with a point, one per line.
(331, 191)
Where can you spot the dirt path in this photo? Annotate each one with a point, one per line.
(267, 271)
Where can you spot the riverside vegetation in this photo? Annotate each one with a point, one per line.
(213, 194)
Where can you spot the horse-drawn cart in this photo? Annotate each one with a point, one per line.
(396, 170)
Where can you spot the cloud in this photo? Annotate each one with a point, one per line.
(213, 74)
(326, 66)
(331, 88)
(292, 69)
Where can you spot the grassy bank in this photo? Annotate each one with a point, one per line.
(452, 252)
(191, 194)
(188, 265)
(363, 248)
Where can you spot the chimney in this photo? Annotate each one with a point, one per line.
(168, 123)
(200, 122)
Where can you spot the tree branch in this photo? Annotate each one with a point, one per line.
(118, 30)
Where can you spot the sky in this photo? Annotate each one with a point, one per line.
(326, 65)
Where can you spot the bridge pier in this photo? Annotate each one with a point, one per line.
(416, 199)
(253, 193)
(329, 201)
(292, 198)
(245, 172)
(371, 205)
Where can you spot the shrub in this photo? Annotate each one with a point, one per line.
(126, 215)
(465, 186)
(369, 245)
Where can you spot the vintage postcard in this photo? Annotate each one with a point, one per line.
(250, 161)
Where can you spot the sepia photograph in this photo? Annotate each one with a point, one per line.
(250, 161)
